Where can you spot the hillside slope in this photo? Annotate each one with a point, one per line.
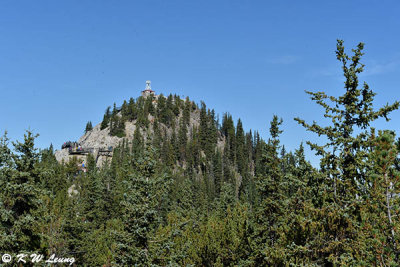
(167, 124)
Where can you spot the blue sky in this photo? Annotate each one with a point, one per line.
(63, 62)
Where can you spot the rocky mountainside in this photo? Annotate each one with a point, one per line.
(187, 137)
(167, 124)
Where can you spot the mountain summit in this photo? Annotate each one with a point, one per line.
(151, 118)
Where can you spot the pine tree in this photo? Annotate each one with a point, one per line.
(217, 162)
(186, 111)
(117, 123)
(168, 113)
(20, 197)
(381, 205)
(143, 112)
(344, 156)
(144, 192)
(182, 140)
(228, 130)
(106, 119)
(125, 111)
(88, 127)
(149, 105)
(269, 241)
(137, 143)
(241, 155)
(203, 128)
(130, 112)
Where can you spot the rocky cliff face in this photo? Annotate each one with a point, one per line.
(97, 139)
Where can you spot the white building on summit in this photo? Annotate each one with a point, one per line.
(146, 92)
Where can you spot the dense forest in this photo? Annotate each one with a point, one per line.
(211, 194)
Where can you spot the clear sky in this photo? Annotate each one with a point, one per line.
(63, 62)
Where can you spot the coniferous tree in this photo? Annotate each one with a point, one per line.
(186, 111)
(137, 143)
(269, 242)
(20, 197)
(218, 175)
(143, 194)
(240, 148)
(228, 130)
(117, 123)
(344, 156)
(131, 110)
(106, 119)
(182, 140)
(259, 145)
(379, 241)
(88, 127)
(203, 128)
(125, 111)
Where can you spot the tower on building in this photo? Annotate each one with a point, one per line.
(147, 91)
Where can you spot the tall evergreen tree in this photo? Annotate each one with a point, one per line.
(144, 192)
(241, 155)
(344, 157)
(117, 123)
(20, 197)
(182, 140)
(88, 127)
(106, 119)
(379, 241)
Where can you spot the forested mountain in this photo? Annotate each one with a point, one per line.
(185, 189)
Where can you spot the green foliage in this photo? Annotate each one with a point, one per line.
(117, 123)
(144, 191)
(88, 127)
(269, 241)
(106, 119)
(20, 197)
(187, 191)
(344, 160)
(381, 206)
(218, 241)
